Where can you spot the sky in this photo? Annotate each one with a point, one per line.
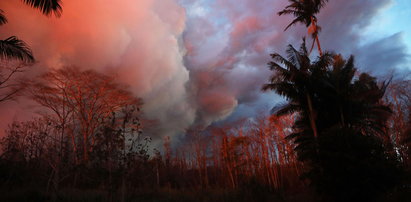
(392, 19)
(197, 63)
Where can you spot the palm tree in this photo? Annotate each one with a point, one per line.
(350, 122)
(294, 79)
(304, 12)
(353, 143)
(349, 102)
(14, 48)
(325, 93)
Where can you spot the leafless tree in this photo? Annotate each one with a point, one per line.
(11, 84)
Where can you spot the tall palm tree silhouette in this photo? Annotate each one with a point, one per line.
(294, 80)
(304, 12)
(350, 123)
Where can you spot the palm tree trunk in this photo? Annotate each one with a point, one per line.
(318, 45)
(313, 22)
(312, 119)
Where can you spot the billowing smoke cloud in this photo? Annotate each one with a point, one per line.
(245, 32)
(194, 62)
(139, 41)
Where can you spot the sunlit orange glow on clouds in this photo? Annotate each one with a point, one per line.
(139, 41)
(192, 62)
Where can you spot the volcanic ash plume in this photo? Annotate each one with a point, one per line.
(138, 41)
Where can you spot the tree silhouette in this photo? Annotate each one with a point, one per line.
(351, 120)
(85, 97)
(294, 80)
(304, 12)
(399, 95)
(10, 86)
(14, 48)
(47, 7)
(406, 139)
(3, 19)
(348, 101)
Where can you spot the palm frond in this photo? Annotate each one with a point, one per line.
(320, 3)
(295, 21)
(3, 19)
(288, 108)
(324, 61)
(281, 72)
(47, 7)
(14, 48)
(282, 88)
(348, 71)
(303, 48)
(303, 11)
(280, 59)
(294, 56)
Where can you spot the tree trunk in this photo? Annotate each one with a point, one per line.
(315, 33)
(312, 119)
(85, 147)
(319, 45)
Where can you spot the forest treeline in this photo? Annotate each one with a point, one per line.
(89, 136)
(340, 134)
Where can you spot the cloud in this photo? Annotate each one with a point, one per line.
(245, 32)
(194, 62)
(138, 41)
(384, 56)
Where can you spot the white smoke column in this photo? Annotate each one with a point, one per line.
(137, 40)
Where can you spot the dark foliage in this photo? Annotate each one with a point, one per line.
(3, 19)
(47, 7)
(14, 48)
(353, 167)
(349, 158)
(303, 11)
